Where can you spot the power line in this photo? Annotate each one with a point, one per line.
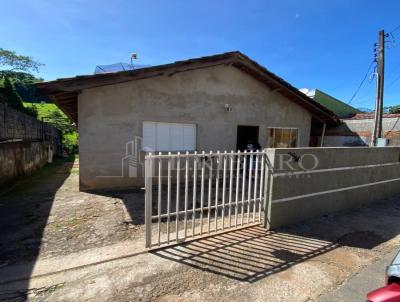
(396, 28)
(362, 82)
(394, 81)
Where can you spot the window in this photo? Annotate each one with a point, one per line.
(282, 137)
(169, 136)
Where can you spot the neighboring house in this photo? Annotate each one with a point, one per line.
(340, 108)
(218, 102)
(357, 130)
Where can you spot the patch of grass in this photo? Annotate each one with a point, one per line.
(52, 289)
(44, 109)
(74, 171)
(68, 223)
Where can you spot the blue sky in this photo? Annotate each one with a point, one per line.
(323, 44)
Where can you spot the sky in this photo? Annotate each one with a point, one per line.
(315, 44)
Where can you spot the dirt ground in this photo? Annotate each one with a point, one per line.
(59, 244)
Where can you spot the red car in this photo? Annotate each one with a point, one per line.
(391, 292)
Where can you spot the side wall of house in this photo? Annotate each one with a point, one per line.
(110, 117)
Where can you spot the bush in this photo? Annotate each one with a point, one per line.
(51, 114)
(70, 142)
(12, 99)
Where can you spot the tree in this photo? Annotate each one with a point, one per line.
(68, 130)
(11, 97)
(24, 85)
(18, 62)
(394, 109)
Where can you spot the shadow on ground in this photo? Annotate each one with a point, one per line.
(25, 209)
(247, 254)
(132, 199)
(254, 253)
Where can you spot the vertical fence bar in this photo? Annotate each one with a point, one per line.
(148, 199)
(159, 197)
(186, 191)
(231, 157)
(217, 190)
(194, 193)
(168, 195)
(223, 190)
(249, 187)
(260, 200)
(243, 185)
(237, 187)
(178, 179)
(268, 184)
(209, 190)
(255, 187)
(202, 192)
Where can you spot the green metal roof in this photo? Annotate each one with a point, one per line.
(338, 107)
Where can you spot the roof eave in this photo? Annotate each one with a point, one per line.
(236, 59)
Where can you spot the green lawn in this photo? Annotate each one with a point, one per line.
(44, 109)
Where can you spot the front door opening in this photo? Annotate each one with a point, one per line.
(246, 135)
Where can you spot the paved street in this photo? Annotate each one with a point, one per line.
(356, 289)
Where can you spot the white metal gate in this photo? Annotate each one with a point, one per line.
(192, 195)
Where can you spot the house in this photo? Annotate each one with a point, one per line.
(341, 109)
(356, 130)
(338, 107)
(218, 102)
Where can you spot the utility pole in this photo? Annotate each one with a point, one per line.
(377, 131)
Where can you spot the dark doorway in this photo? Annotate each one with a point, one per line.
(246, 135)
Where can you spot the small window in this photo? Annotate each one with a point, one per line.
(169, 136)
(282, 137)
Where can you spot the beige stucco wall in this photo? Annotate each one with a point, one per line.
(110, 116)
(341, 178)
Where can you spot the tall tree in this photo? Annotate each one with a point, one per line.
(394, 109)
(10, 96)
(13, 61)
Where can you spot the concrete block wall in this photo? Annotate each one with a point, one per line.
(358, 132)
(19, 159)
(343, 178)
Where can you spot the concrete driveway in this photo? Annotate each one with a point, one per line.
(59, 244)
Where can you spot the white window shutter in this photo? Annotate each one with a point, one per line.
(163, 137)
(189, 137)
(169, 136)
(149, 136)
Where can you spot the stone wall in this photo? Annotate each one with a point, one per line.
(19, 159)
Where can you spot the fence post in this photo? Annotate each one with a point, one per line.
(4, 136)
(268, 183)
(148, 197)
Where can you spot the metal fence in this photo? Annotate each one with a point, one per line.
(18, 126)
(193, 195)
